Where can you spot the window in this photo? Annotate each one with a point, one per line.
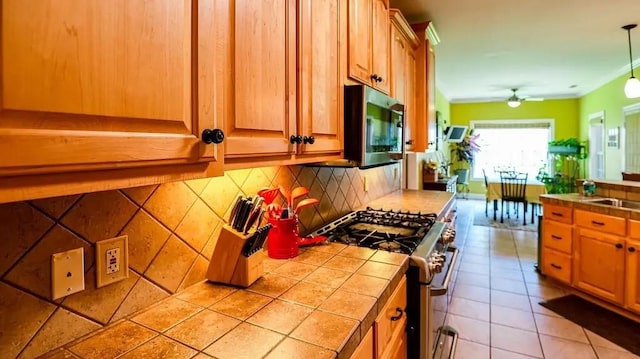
(517, 144)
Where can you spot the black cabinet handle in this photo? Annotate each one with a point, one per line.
(596, 223)
(374, 77)
(632, 249)
(556, 237)
(556, 266)
(618, 245)
(215, 136)
(557, 214)
(398, 316)
(295, 139)
(308, 140)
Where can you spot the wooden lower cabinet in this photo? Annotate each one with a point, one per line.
(390, 325)
(556, 265)
(387, 339)
(365, 349)
(598, 264)
(632, 276)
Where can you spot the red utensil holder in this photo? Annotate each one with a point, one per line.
(282, 241)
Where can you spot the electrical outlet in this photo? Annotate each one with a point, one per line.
(112, 260)
(67, 273)
(365, 184)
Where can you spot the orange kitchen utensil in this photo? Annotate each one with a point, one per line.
(305, 203)
(269, 194)
(297, 193)
(307, 241)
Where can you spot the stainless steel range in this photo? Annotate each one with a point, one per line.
(429, 244)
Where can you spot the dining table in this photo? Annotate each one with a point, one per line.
(532, 193)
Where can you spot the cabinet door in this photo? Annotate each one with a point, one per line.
(380, 48)
(100, 85)
(599, 264)
(431, 96)
(410, 101)
(259, 78)
(320, 77)
(398, 64)
(632, 276)
(365, 348)
(360, 63)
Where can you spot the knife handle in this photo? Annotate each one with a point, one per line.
(234, 209)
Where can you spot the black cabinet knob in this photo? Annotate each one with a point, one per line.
(632, 249)
(215, 136)
(295, 139)
(374, 77)
(618, 245)
(308, 140)
(379, 79)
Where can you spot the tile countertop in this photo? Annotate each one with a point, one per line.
(578, 201)
(316, 305)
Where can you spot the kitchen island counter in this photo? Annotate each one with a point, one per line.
(319, 304)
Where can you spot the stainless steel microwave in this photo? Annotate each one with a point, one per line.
(373, 127)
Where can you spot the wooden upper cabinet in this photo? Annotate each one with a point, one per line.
(403, 71)
(431, 95)
(259, 76)
(368, 38)
(320, 79)
(398, 65)
(381, 44)
(90, 85)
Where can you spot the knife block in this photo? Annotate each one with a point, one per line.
(228, 265)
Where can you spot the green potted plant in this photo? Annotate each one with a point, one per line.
(464, 151)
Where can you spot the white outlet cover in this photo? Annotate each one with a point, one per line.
(67, 273)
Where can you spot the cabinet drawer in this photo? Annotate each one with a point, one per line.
(634, 229)
(388, 323)
(556, 265)
(557, 236)
(558, 213)
(601, 222)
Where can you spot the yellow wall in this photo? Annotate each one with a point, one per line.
(566, 113)
(610, 99)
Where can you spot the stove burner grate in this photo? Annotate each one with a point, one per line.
(393, 231)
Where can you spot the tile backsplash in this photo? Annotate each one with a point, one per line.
(172, 229)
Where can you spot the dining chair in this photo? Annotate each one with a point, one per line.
(514, 188)
(486, 197)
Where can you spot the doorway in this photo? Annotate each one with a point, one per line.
(596, 145)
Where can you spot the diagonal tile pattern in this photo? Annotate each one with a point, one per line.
(172, 229)
(495, 300)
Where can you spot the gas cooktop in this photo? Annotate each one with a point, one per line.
(394, 231)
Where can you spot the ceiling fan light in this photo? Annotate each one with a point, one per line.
(513, 103)
(632, 88)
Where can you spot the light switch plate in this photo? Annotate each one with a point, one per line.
(112, 260)
(67, 273)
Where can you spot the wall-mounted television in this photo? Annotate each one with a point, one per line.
(455, 133)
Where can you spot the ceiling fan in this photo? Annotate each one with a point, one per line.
(514, 100)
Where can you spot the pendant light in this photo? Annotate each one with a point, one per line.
(514, 101)
(632, 87)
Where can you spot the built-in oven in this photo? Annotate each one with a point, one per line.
(429, 281)
(432, 259)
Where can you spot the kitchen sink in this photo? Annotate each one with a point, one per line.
(624, 203)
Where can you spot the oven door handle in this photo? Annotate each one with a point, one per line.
(438, 291)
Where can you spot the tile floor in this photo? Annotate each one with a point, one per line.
(495, 306)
